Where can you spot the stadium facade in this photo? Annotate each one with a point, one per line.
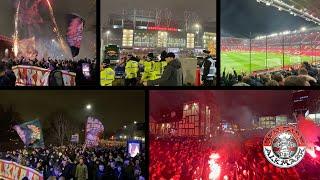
(157, 29)
(306, 103)
(197, 120)
(272, 121)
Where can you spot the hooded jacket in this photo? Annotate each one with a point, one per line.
(172, 75)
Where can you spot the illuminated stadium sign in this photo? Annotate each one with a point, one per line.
(158, 28)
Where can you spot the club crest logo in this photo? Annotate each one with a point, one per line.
(284, 146)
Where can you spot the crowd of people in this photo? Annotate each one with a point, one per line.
(189, 159)
(177, 158)
(148, 70)
(76, 162)
(7, 77)
(151, 70)
(252, 164)
(306, 75)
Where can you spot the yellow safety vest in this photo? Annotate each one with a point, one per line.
(107, 77)
(156, 73)
(148, 69)
(132, 69)
(158, 69)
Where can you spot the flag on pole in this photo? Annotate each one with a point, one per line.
(30, 133)
(74, 33)
(94, 130)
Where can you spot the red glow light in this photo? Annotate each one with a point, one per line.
(215, 168)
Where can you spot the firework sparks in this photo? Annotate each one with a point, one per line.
(56, 29)
(215, 168)
(16, 33)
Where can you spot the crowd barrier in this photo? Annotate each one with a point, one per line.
(12, 171)
(36, 76)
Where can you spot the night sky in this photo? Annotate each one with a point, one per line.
(114, 108)
(85, 8)
(240, 17)
(206, 9)
(234, 105)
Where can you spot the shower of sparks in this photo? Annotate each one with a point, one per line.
(56, 29)
(16, 32)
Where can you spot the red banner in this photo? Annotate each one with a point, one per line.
(35, 76)
(11, 170)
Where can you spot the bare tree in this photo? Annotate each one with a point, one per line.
(61, 127)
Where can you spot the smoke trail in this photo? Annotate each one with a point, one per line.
(310, 132)
(56, 29)
(16, 32)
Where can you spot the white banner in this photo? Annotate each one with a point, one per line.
(12, 171)
(36, 76)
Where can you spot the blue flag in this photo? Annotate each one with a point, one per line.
(30, 133)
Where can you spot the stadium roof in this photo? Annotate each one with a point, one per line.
(311, 6)
(248, 18)
(307, 10)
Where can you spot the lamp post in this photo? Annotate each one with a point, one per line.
(198, 33)
(108, 33)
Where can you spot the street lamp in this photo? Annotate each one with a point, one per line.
(198, 32)
(88, 107)
(135, 122)
(125, 127)
(108, 33)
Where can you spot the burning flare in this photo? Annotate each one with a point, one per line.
(215, 168)
(312, 150)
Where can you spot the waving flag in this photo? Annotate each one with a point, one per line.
(74, 33)
(30, 133)
(94, 129)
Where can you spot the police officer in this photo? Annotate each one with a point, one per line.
(131, 71)
(141, 66)
(148, 68)
(107, 74)
(159, 66)
(208, 70)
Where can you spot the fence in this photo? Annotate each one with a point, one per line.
(274, 51)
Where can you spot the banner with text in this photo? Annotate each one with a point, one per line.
(36, 76)
(11, 170)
